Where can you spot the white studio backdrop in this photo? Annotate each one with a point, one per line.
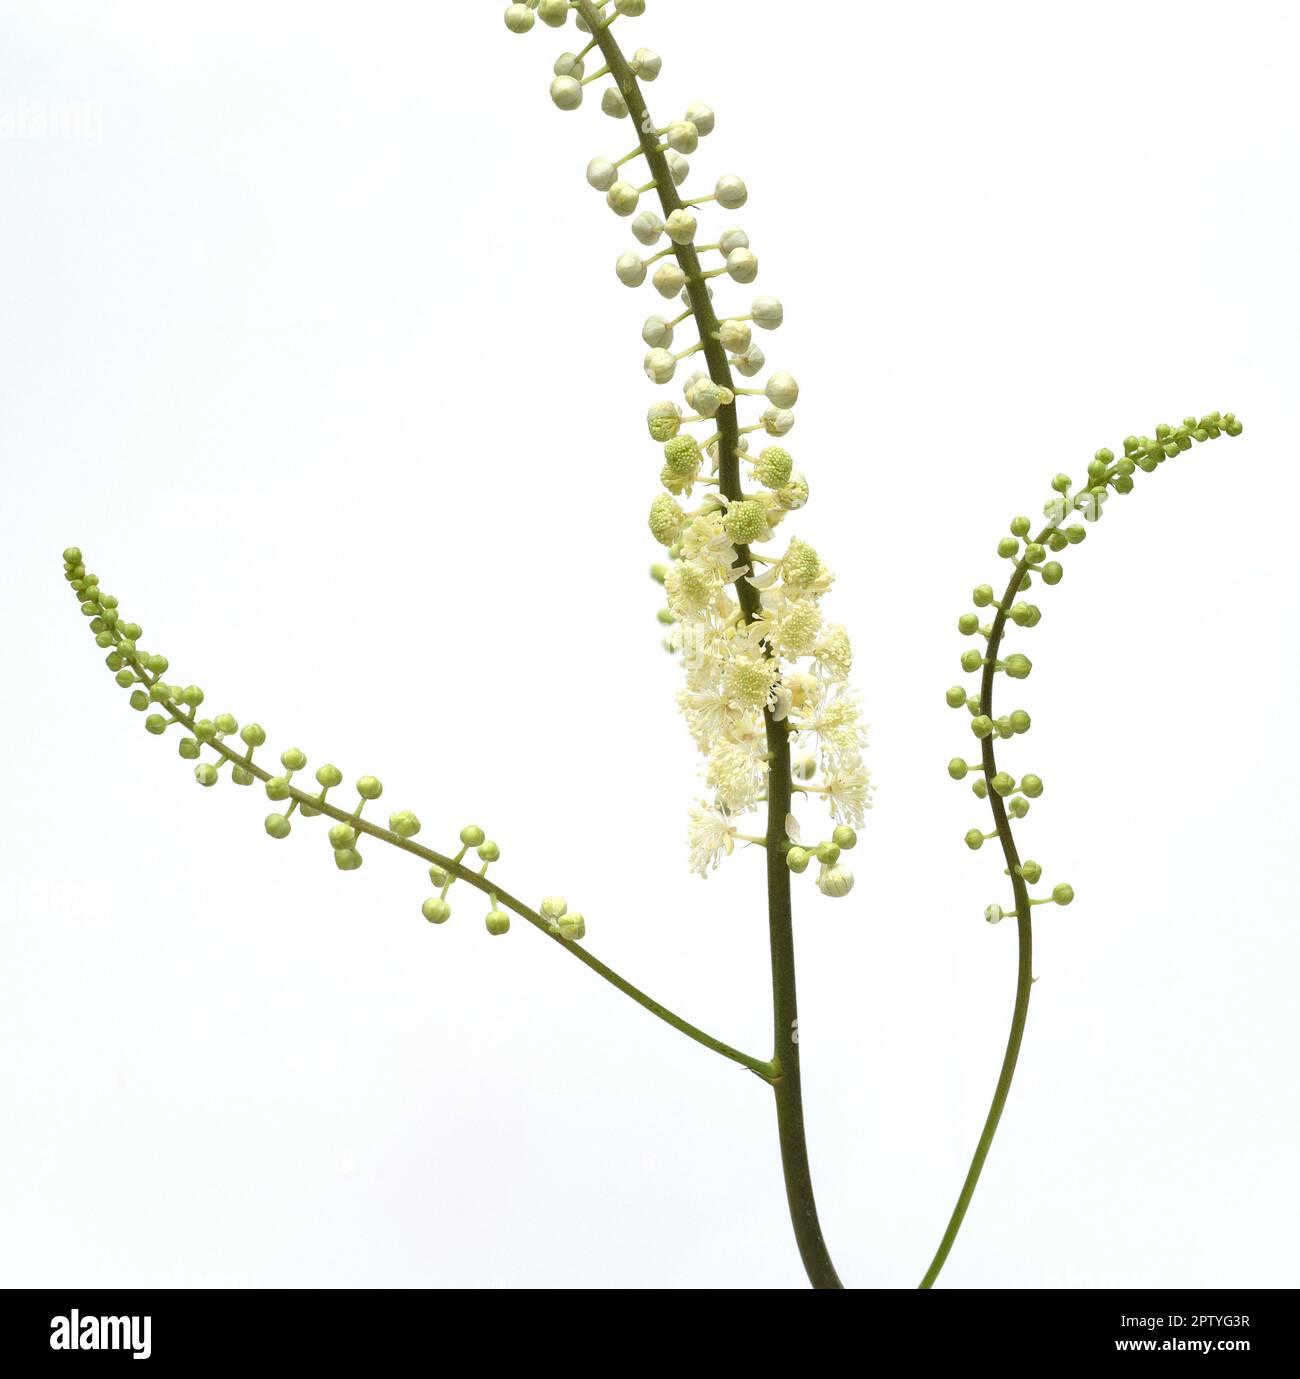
(313, 343)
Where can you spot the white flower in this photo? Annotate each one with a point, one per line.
(710, 834)
(848, 792)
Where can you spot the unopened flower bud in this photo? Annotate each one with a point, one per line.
(836, 881)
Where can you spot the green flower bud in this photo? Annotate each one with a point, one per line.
(982, 595)
(971, 660)
(994, 914)
(981, 725)
(682, 457)
(955, 697)
(828, 854)
(1020, 526)
(140, 700)
(844, 837)
(293, 759)
(156, 664)
(1003, 783)
(745, 522)
(205, 730)
(1003, 728)
(804, 767)
(347, 859)
(206, 774)
(489, 851)
(241, 776)
(974, 839)
(498, 922)
(72, 556)
(658, 573)
(1017, 666)
(155, 724)
(774, 467)
(554, 908)
(226, 723)
(1075, 534)
(369, 788)
(188, 747)
(1008, 548)
(957, 768)
(438, 876)
(573, 928)
(342, 836)
(253, 734)
(191, 695)
(1052, 572)
(666, 520)
(797, 859)
(1020, 721)
(1063, 893)
(277, 788)
(1031, 872)
(436, 910)
(980, 786)
(404, 824)
(1031, 786)
(278, 826)
(329, 776)
(1062, 483)
(1018, 807)
(968, 624)
(472, 835)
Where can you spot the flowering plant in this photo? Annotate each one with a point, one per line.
(766, 694)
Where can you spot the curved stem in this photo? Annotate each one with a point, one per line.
(763, 1069)
(785, 1014)
(1024, 935)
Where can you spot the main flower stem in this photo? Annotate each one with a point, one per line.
(785, 1013)
(1024, 936)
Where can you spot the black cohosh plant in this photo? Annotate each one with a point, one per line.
(766, 695)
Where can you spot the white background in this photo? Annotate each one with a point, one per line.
(320, 356)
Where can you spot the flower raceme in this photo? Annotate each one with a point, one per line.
(743, 603)
(230, 744)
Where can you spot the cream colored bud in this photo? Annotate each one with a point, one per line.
(664, 420)
(554, 907)
(648, 228)
(660, 366)
(613, 103)
(742, 266)
(782, 390)
(706, 396)
(701, 117)
(631, 270)
(632, 8)
(678, 167)
(767, 312)
(777, 421)
(569, 65)
(601, 174)
(646, 64)
(751, 363)
(554, 13)
(683, 136)
(519, 19)
(731, 193)
(835, 881)
(681, 227)
(622, 198)
(566, 92)
(735, 336)
(733, 238)
(657, 333)
(669, 279)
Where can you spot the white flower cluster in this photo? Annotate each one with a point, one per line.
(747, 623)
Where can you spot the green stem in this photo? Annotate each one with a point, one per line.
(453, 867)
(785, 1014)
(1024, 937)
